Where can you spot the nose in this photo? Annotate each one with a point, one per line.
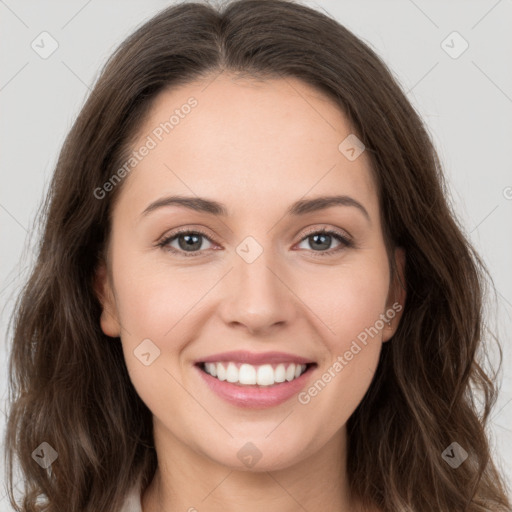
(257, 297)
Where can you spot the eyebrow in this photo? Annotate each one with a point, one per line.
(301, 207)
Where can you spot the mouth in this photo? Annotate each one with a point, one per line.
(255, 376)
(255, 380)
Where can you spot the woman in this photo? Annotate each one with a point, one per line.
(187, 342)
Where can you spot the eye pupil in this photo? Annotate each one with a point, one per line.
(323, 236)
(190, 244)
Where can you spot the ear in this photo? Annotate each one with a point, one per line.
(103, 288)
(396, 298)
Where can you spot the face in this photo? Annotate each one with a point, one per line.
(254, 278)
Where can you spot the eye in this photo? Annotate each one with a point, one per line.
(323, 237)
(187, 240)
(190, 242)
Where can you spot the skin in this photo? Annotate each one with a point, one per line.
(256, 146)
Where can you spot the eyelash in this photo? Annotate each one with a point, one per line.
(345, 242)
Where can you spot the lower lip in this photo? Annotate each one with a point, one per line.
(256, 396)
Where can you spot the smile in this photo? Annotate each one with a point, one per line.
(245, 374)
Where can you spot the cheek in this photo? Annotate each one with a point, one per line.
(346, 374)
(339, 388)
(350, 303)
(162, 305)
(153, 309)
(153, 299)
(351, 309)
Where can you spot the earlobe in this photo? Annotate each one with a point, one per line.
(102, 287)
(397, 296)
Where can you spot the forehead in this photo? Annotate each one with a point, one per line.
(237, 140)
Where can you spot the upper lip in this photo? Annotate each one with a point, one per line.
(242, 356)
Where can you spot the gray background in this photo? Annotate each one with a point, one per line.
(465, 101)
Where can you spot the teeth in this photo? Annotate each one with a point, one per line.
(231, 373)
(211, 368)
(280, 373)
(221, 372)
(247, 374)
(265, 376)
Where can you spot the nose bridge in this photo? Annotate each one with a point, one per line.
(257, 295)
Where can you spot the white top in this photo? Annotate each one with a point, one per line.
(133, 500)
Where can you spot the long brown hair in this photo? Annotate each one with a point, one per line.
(69, 386)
